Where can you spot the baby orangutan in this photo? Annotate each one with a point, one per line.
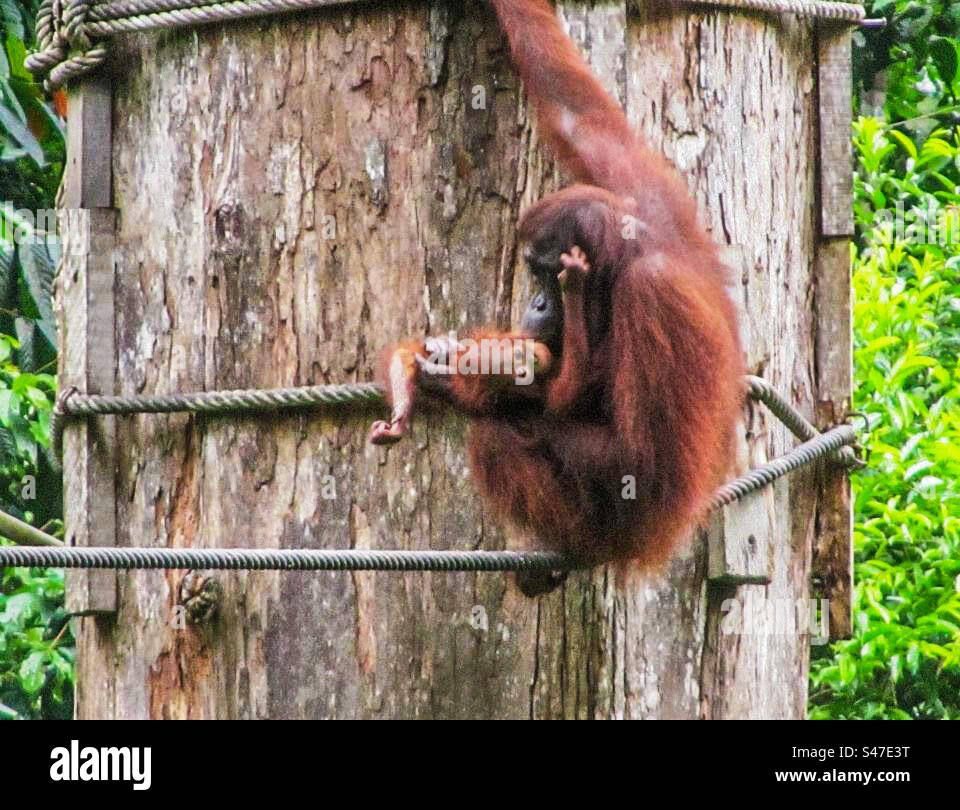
(472, 374)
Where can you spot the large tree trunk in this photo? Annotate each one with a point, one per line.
(233, 146)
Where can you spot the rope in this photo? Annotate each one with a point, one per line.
(66, 29)
(71, 403)
(818, 9)
(284, 559)
(60, 556)
(817, 447)
(795, 421)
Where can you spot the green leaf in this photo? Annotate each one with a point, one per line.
(881, 343)
(8, 276)
(32, 672)
(12, 14)
(913, 659)
(38, 273)
(943, 51)
(8, 447)
(917, 468)
(6, 713)
(904, 141)
(17, 608)
(16, 55)
(17, 130)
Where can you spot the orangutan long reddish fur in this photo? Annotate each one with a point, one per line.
(650, 373)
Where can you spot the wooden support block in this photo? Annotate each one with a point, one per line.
(739, 535)
(738, 541)
(835, 85)
(87, 351)
(833, 554)
(834, 340)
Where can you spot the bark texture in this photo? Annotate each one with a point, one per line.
(234, 149)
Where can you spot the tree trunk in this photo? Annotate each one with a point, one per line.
(237, 151)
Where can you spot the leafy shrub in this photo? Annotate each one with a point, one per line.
(36, 652)
(36, 648)
(914, 60)
(31, 134)
(30, 485)
(904, 658)
(31, 161)
(894, 173)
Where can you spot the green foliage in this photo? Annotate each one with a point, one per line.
(29, 485)
(893, 172)
(31, 161)
(31, 134)
(904, 658)
(36, 647)
(917, 54)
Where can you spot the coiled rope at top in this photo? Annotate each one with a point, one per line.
(71, 33)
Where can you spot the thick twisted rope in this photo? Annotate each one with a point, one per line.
(818, 9)
(795, 421)
(284, 559)
(66, 29)
(72, 404)
(50, 553)
(821, 445)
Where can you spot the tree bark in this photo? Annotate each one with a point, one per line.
(234, 148)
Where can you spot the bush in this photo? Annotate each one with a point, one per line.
(912, 63)
(36, 674)
(36, 647)
(904, 658)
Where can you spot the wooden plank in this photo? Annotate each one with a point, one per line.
(835, 110)
(88, 355)
(832, 565)
(833, 553)
(87, 174)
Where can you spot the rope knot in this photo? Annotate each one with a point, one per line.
(64, 48)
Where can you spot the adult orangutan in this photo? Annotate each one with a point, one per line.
(613, 454)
